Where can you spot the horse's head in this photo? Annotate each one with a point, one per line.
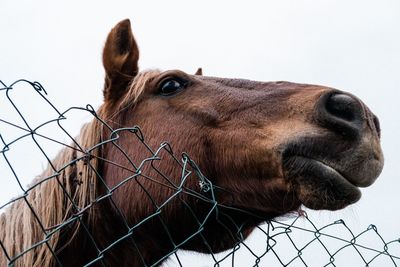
(267, 147)
(271, 145)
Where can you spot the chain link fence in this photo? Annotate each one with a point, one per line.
(290, 242)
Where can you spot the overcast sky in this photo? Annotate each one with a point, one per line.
(350, 45)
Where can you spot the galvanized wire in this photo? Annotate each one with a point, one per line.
(315, 240)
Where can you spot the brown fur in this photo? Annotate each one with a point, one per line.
(249, 138)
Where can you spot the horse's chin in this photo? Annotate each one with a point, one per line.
(318, 185)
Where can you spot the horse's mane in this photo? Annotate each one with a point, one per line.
(67, 188)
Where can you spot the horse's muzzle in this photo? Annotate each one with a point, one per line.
(329, 167)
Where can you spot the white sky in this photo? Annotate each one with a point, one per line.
(350, 45)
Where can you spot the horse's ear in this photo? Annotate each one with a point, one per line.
(120, 60)
(199, 72)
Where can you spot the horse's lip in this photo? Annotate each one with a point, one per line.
(319, 185)
(316, 168)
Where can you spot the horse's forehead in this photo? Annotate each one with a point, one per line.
(232, 82)
(251, 84)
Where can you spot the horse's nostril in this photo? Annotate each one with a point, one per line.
(343, 107)
(377, 125)
(341, 113)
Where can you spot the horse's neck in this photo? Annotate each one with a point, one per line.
(106, 242)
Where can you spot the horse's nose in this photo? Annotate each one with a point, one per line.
(342, 113)
(344, 107)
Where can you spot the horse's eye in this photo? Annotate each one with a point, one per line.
(171, 86)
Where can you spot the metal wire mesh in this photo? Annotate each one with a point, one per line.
(285, 243)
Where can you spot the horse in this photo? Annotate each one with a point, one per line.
(261, 149)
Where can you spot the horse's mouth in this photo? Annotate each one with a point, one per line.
(318, 185)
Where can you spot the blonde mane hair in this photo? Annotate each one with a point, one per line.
(30, 227)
